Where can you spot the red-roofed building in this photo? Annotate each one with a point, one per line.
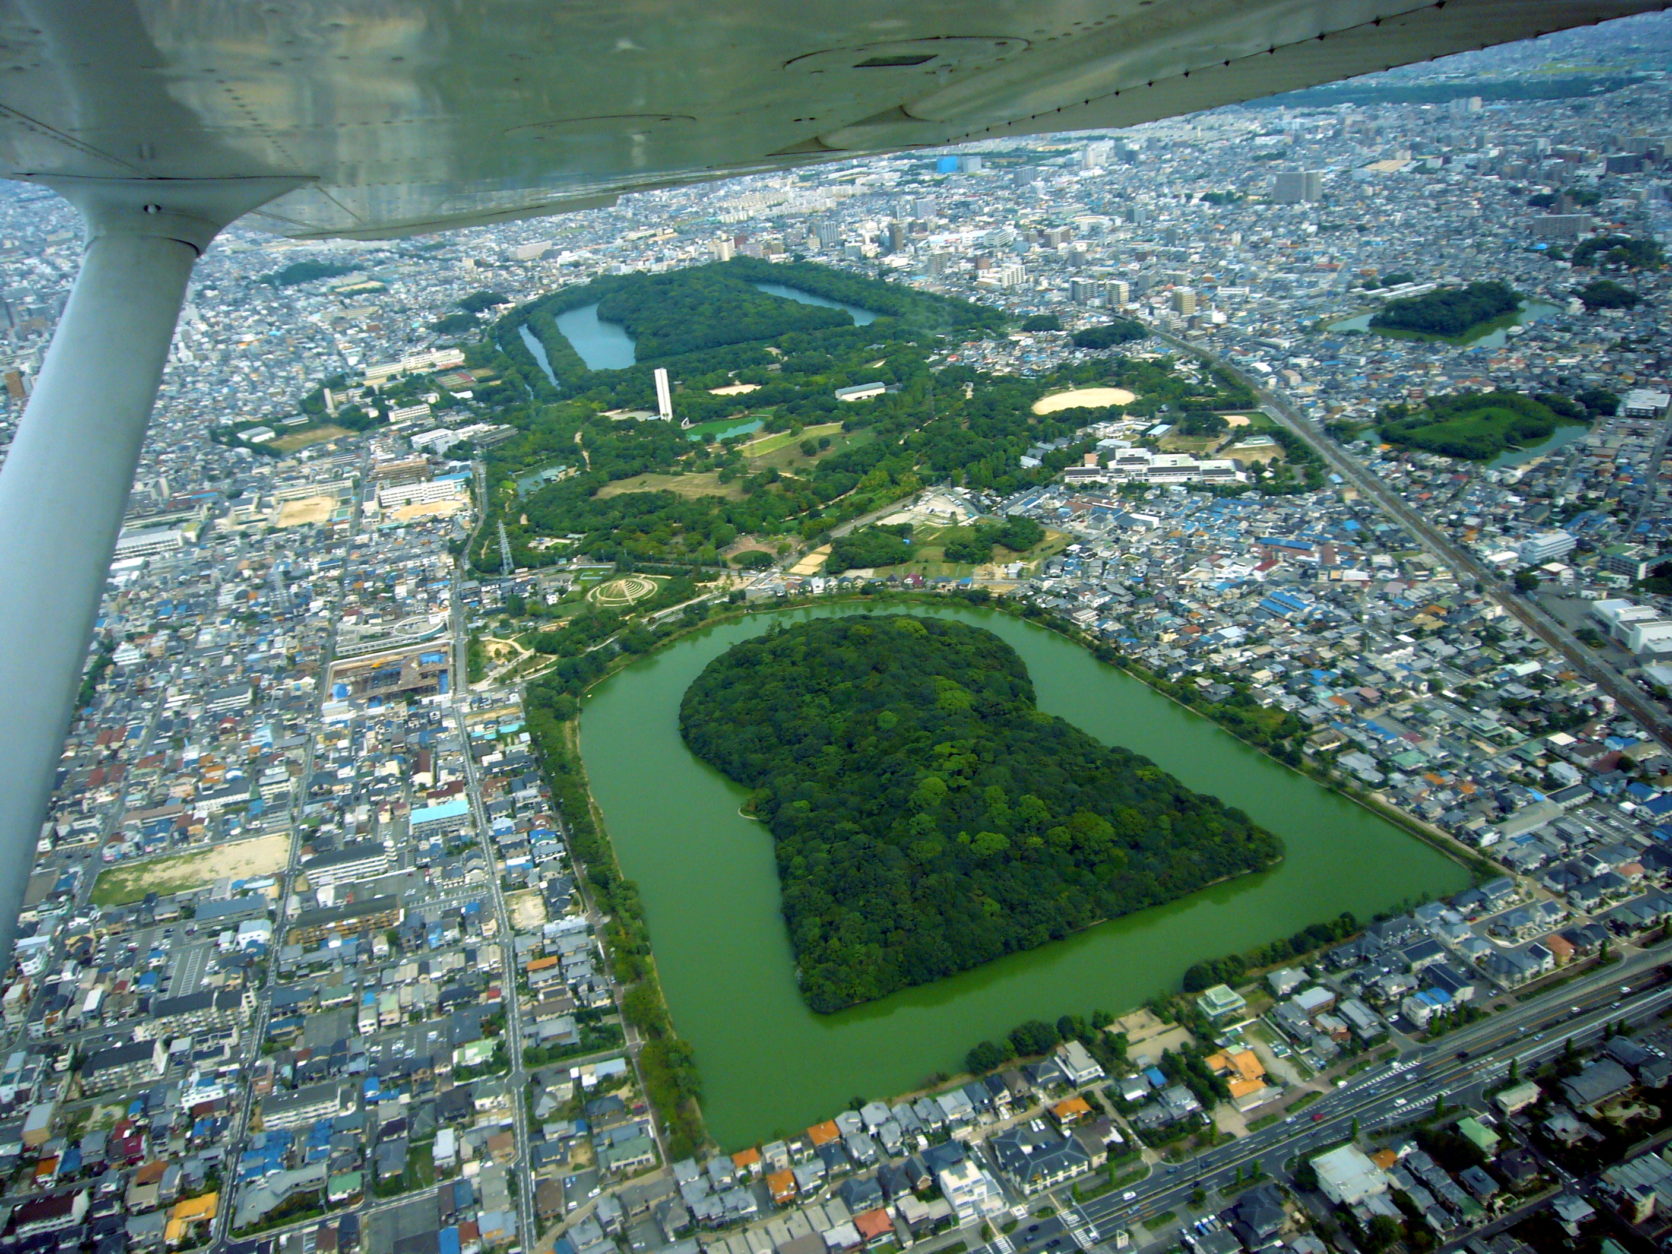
(875, 1227)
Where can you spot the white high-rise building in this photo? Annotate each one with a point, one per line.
(664, 395)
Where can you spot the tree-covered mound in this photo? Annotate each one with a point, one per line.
(1448, 312)
(1115, 331)
(1477, 426)
(927, 817)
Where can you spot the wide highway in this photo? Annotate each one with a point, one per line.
(1457, 1068)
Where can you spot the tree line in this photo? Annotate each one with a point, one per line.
(1037, 1037)
(671, 1080)
(1232, 968)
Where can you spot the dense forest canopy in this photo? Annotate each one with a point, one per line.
(870, 546)
(690, 310)
(298, 272)
(927, 817)
(706, 307)
(1115, 331)
(1448, 311)
(1607, 294)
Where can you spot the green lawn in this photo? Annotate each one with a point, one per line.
(1475, 426)
(120, 885)
(765, 444)
(787, 456)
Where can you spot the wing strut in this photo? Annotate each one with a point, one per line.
(64, 483)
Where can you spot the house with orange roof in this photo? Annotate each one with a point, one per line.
(747, 1162)
(1071, 1111)
(824, 1133)
(1246, 1064)
(184, 1215)
(781, 1184)
(1239, 1062)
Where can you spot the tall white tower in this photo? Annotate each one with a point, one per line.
(664, 395)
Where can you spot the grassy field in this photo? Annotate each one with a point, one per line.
(781, 451)
(119, 885)
(762, 445)
(1482, 431)
(705, 483)
(309, 435)
(787, 455)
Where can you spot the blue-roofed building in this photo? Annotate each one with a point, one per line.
(445, 816)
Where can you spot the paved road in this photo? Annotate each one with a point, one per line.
(1465, 564)
(238, 1130)
(517, 1082)
(1531, 1033)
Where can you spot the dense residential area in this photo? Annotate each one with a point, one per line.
(326, 948)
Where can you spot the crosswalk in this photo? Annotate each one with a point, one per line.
(1080, 1228)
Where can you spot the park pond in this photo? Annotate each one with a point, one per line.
(861, 317)
(606, 345)
(710, 887)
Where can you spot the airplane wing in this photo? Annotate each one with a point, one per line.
(404, 117)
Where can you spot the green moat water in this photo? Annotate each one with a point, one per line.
(710, 888)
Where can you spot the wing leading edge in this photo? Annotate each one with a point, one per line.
(411, 117)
